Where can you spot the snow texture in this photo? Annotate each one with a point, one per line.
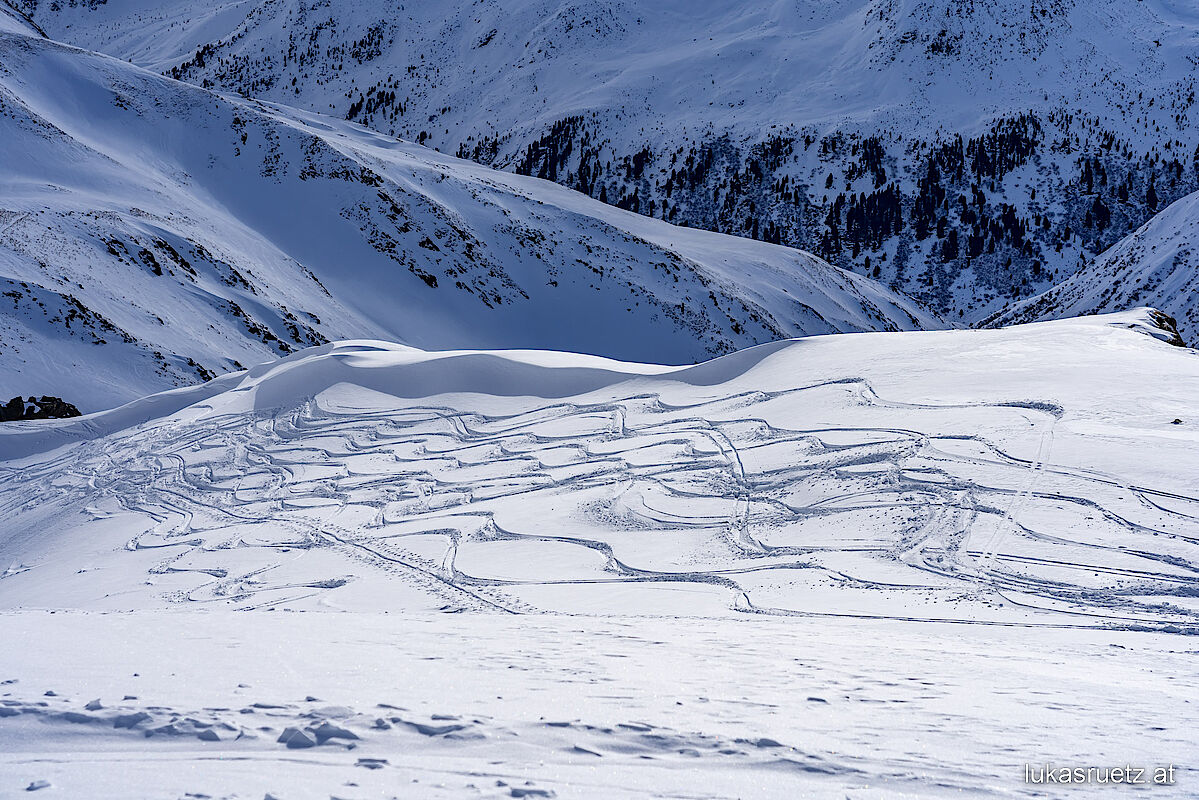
(839, 565)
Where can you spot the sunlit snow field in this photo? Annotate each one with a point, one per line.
(866, 566)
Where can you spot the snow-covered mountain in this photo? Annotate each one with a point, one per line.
(546, 498)
(718, 545)
(971, 152)
(154, 234)
(1158, 265)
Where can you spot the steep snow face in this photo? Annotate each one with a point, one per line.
(997, 476)
(972, 153)
(1158, 265)
(153, 234)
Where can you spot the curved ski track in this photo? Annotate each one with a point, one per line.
(926, 521)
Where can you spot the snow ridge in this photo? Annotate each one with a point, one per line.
(154, 233)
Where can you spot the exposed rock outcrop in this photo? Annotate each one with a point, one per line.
(43, 407)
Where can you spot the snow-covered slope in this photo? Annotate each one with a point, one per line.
(970, 152)
(835, 566)
(990, 475)
(153, 233)
(1157, 265)
(515, 65)
(170, 704)
(13, 20)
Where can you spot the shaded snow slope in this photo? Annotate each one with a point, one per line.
(153, 233)
(972, 153)
(974, 476)
(1157, 265)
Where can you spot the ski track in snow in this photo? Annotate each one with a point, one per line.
(635, 491)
